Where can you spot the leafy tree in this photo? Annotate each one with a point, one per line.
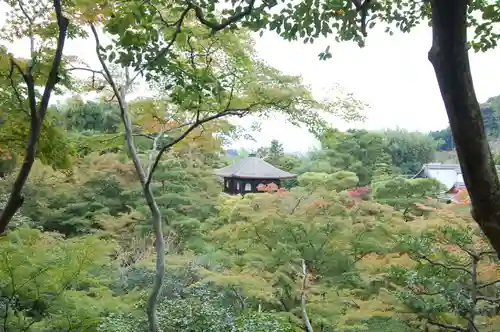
(90, 116)
(273, 154)
(409, 150)
(43, 68)
(189, 304)
(264, 242)
(490, 111)
(357, 151)
(444, 139)
(406, 195)
(449, 280)
(51, 284)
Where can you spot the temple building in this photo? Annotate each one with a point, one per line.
(249, 174)
(450, 175)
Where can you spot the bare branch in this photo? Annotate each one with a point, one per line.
(119, 93)
(13, 65)
(487, 299)
(100, 72)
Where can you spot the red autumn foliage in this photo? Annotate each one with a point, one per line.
(271, 188)
(359, 192)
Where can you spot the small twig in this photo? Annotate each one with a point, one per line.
(31, 63)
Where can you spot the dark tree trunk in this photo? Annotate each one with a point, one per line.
(449, 57)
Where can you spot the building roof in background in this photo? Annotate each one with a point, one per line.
(448, 174)
(253, 168)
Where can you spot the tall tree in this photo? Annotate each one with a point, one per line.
(46, 29)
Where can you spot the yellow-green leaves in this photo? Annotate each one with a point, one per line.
(42, 277)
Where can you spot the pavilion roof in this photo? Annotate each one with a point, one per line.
(253, 168)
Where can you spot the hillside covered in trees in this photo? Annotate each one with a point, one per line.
(79, 254)
(112, 220)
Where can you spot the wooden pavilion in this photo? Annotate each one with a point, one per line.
(249, 174)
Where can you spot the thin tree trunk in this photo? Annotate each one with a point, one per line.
(154, 325)
(449, 57)
(471, 326)
(303, 299)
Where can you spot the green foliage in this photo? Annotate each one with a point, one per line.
(310, 20)
(207, 74)
(260, 240)
(338, 181)
(50, 284)
(190, 305)
(452, 273)
(372, 154)
(382, 324)
(234, 264)
(406, 195)
(409, 150)
(490, 111)
(90, 116)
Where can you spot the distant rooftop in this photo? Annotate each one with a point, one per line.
(449, 175)
(253, 168)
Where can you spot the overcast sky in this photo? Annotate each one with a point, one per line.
(391, 74)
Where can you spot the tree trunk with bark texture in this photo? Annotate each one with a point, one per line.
(449, 57)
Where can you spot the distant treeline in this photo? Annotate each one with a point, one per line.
(491, 117)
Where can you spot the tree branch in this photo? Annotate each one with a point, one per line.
(166, 49)
(120, 94)
(488, 284)
(216, 26)
(227, 112)
(487, 299)
(447, 326)
(456, 268)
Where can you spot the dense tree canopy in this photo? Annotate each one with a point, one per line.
(112, 219)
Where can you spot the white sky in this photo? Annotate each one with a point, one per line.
(391, 74)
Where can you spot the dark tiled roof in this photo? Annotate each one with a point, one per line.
(253, 168)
